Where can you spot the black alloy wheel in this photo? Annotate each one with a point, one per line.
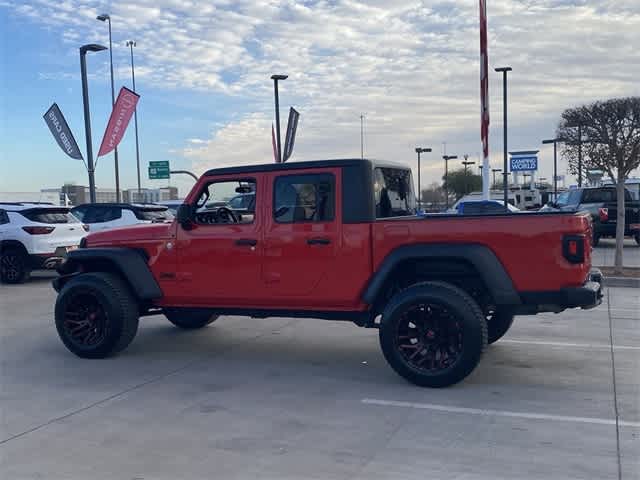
(96, 314)
(13, 266)
(429, 337)
(85, 320)
(433, 334)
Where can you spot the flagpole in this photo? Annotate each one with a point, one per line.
(484, 99)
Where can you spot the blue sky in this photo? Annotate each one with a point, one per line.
(202, 70)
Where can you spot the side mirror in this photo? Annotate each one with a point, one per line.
(184, 216)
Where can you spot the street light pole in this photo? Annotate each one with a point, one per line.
(505, 167)
(362, 136)
(275, 79)
(87, 117)
(107, 18)
(420, 150)
(466, 163)
(446, 177)
(132, 44)
(555, 165)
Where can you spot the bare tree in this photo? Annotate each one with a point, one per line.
(607, 133)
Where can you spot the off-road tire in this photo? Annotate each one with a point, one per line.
(498, 324)
(461, 309)
(117, 304)
(14, 266)
(189, 319)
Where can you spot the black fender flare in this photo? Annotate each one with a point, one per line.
(481, 257)
(128, 262)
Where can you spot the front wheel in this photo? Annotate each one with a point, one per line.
(636, 237)
(96, 315)
(189, 319)
(433, 334)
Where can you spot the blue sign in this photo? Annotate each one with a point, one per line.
(524, 164)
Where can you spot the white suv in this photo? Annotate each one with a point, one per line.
(35, 236)
(102, 216)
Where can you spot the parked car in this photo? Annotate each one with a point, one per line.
(333, 239)
(102, 216)
(481, 207)
(35, 236)
(602, 204)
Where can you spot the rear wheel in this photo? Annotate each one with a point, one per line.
(498, 324)
(636, 237)
(189, 319)
(96, 315)
(596, 239)
(433, 334)
(14, 266)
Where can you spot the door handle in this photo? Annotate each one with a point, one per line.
(246, 242)
(318, 241)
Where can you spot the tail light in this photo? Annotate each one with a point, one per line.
(573, 248)
(85, 227)
(603, 213)
(38, 230)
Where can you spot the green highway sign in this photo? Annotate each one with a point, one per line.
(159, 170)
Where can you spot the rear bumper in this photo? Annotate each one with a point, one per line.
(587, 296)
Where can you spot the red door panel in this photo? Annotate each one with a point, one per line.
(220, 264)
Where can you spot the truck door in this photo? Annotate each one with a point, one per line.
(219, 257)
(302, 236)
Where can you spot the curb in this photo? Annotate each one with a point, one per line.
(622, 282)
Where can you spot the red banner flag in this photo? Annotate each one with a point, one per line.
(273, 144)
(122, 111)
(484, 80)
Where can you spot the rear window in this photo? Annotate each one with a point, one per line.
(599, 196)
(393, 189)
(153, 215)
(603, 195)
(40, 215)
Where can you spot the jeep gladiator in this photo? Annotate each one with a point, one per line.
(337, 240)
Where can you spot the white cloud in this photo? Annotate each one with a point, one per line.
(410, 66)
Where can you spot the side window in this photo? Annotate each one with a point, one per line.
(90, 214)
(79, 213)
(304, 198)
(393, 190)
(221, 202)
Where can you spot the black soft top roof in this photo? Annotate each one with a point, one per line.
(277, 167)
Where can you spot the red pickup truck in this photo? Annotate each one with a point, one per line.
(332, 239)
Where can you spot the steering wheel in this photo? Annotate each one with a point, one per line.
(226, 215)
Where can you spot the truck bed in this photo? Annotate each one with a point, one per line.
(529, 245)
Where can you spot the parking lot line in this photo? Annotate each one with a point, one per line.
(596, 346)
(498, 413)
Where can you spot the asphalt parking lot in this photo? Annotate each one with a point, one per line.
(303, 399)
